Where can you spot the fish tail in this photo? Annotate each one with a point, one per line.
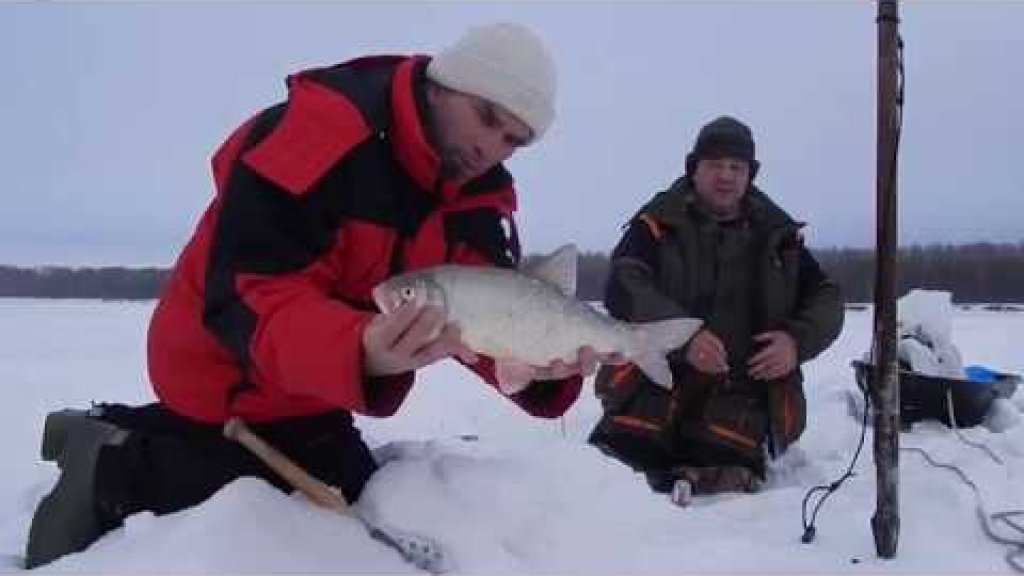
(650, 342)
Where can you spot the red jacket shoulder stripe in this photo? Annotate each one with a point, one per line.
(319, 127)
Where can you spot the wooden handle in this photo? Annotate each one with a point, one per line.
(316, 491)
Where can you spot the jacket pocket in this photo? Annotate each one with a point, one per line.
(637, 421)
(788, 412)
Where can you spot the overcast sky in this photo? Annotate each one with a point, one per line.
(109, 112)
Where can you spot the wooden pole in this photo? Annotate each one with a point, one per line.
(885, 524)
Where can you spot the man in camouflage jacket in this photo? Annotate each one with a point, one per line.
(715, 247)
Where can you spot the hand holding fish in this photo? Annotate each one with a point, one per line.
(558, 369)
(410, 337)
(586, 365)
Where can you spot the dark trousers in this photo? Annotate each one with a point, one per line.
(170, 462)
(643, 454)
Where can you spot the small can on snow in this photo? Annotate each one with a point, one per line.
(682, 492)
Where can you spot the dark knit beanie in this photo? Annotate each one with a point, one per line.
(723, 137)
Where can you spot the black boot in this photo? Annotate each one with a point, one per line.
(59, 425)
(660, 481)
(69, 518)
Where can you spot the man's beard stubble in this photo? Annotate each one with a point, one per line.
(450, 168)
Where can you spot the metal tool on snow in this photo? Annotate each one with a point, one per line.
(420, 551)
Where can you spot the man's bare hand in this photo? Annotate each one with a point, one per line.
(408, 338)
(776, 358)
(706, 353)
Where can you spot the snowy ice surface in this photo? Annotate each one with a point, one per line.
(507, 493)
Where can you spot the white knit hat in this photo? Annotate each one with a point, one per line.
(505, 64)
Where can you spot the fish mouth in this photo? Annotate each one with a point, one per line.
(385, 299)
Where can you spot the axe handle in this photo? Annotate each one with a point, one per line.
(316, 491)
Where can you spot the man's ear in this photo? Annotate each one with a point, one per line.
(691, 164)
(754, 167)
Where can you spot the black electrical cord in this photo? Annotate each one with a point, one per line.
(827, 490)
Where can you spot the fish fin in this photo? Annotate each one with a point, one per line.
(558, 268)
(651, 341)
(513, 376)
(654, 365)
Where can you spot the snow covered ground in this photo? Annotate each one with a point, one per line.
(506, 493)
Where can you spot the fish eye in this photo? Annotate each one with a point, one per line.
(408, 293)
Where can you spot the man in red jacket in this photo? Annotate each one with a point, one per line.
(371, 167)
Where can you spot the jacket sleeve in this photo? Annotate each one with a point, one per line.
(267, 291)
(542, 398)
(632, 292)
(818, 318)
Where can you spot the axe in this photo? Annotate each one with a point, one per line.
(418, 550)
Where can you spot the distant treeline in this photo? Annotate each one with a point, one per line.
(108, 283)
(972, 272)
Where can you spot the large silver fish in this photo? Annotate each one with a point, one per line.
(531, 317)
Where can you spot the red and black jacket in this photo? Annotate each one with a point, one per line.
(318, 199)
